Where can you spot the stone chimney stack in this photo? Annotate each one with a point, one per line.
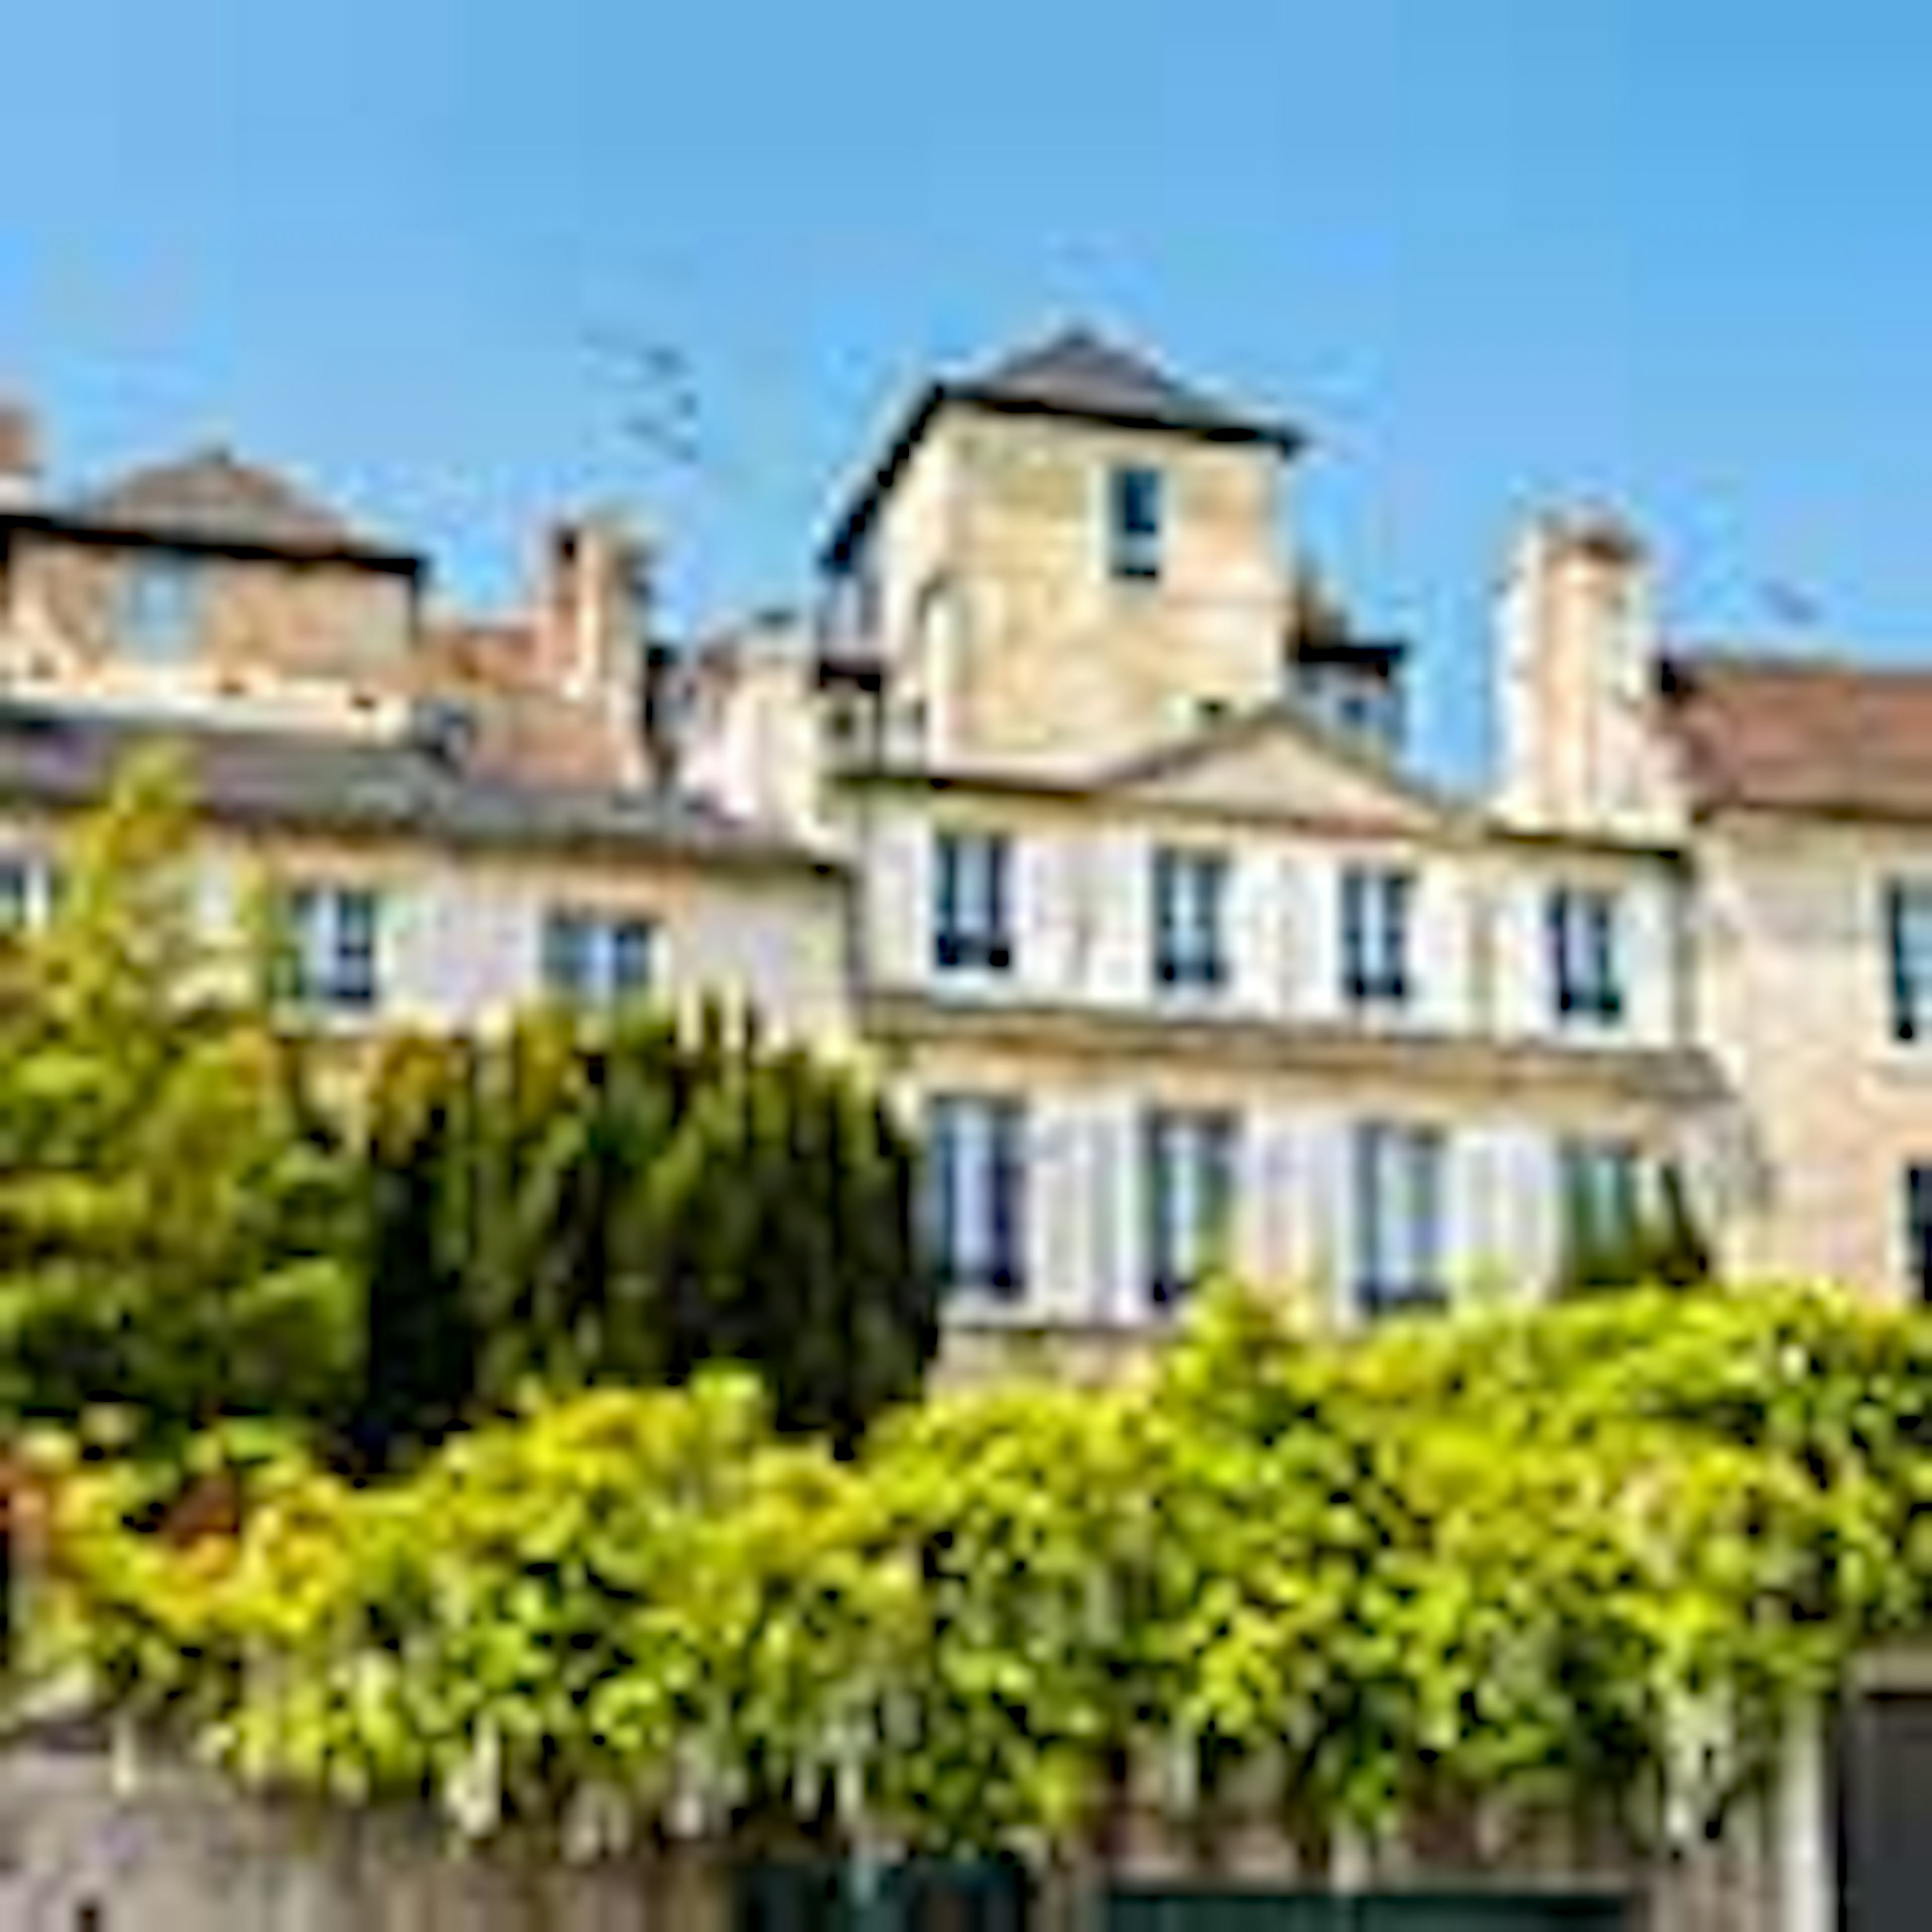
(594, 618)
(1578, 654)
(20, 455)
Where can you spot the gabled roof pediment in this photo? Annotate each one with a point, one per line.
(1276, 762)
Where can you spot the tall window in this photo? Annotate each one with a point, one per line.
(972, 919)
(1909, 924)
(1919, 1227)
(1597, 1183)
(160, 606)
(330, 933)
(1188, 1185)
(29, 885)
(976, 1193)
(594, 959)
(1190, 896)
(1585, 968)
(1398, 1212)
(1376, 906)
(1134, 519)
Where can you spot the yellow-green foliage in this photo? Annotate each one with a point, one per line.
(174, 1229)
(1593, 1551)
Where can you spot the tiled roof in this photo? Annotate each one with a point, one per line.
(1802, 735)
(213, 496)
(386, 787)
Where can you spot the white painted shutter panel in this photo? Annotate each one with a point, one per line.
(898, 901)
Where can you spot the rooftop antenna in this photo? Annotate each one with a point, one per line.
(661, 409)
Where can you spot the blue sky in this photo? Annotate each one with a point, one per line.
(1493, 252)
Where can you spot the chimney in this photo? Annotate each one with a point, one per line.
(1577, 648)
(20, 455)
(593, 629)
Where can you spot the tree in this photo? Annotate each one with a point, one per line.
(173, 1214)
(596, 1199)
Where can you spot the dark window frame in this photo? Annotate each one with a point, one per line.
(1384, 1283)
(1003, 1119)
(972, 904)
(1136, 523)
(1601, 1185)
(334, 950)
(1919, 1226)
(1169, 1137)
(1584, 932)
(1378, 914)
(594, 957)
(1906, 902)
(1191, 953)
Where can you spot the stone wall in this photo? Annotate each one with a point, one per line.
(168, 1849)
(317, 619)
(171, 1850)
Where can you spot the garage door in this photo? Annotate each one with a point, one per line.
(1886, 1830)
(1208, 1909)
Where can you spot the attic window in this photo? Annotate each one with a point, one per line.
(160, 607)
(1134, 519)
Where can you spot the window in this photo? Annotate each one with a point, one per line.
(1134, 523)
(160, 606)
(1190, 894)
(971, 927)
(1908, 921)
(1919, 1228)
(1365, 709)
(1188, 1185)
(1376, 909)
(976, 1193)
(1597, 1183)
(1586, 972)
(1398, 1204)
(29, 885)
(330, 933)
(592, 958)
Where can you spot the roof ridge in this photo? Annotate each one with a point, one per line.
(211, 490)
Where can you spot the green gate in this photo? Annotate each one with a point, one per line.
(835, 1895)
(1211, 1909)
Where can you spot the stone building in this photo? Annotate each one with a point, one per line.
(1180, 962)
(459, 815)
(1081, 810)
(1079, 806)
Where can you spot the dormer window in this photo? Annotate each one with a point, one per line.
(1134, 520)
(160, 606)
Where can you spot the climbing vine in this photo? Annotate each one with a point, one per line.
(1589, 1553)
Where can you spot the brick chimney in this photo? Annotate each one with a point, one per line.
(1577, 647)
(593, 621)
(19, 454)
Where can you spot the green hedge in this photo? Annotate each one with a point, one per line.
(1587, 1554)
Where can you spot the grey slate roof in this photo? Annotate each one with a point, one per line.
(66, 760)
(212, 496)
(1077, 373)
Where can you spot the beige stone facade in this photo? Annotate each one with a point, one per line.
(1072, 658)
(467, 786)
(1800, 794)
(988, 676)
